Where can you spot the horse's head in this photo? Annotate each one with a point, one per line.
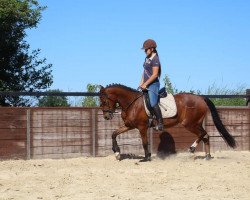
(107, 104)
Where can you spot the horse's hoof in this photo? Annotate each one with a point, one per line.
(117, 155)
(208, 157)
(191, 149)
(146, 159)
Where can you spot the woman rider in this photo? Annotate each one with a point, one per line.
(150, 78)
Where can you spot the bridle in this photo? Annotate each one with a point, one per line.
(112, 111)
(109, 110)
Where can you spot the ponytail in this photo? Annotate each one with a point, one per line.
(155, 51)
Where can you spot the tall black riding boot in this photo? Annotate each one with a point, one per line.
(157, 112)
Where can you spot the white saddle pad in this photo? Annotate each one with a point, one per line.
(167, 106)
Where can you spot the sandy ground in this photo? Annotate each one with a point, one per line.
(182, 176)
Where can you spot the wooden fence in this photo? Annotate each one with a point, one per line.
(31, 133)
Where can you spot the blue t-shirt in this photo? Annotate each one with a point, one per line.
(148, 67)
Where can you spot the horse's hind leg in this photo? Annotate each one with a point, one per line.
(197, 130)
(205, 139)
(202, 135)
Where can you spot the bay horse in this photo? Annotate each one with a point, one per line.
(191, 111)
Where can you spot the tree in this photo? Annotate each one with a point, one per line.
(91, 101)
(223, 90)
(173, 90)
(213, 90)
(20, 68)
(168, 85)
(53, 101)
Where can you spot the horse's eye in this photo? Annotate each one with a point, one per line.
(103, 103)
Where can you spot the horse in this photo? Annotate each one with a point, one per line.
(191, 111)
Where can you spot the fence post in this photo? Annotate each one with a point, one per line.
(248, 105)
(248, 99)
(28, 133)
(93, 116)
(204, 123)
(151, 142)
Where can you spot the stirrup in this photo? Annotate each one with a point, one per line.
(158, 127)
(150, 122)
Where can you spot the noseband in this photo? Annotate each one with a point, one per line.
(109, 110)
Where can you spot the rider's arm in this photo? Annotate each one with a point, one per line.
(152, 78)
(142, 79)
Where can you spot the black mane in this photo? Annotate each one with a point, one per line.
(121, 86)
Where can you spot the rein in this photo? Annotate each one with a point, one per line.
(111, 111)
(132, 102)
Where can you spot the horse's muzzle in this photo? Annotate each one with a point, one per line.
(108, 115)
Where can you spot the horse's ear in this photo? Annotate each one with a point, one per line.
(100, 87)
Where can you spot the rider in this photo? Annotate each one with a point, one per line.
(150, 78)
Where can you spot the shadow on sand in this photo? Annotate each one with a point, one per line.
(202, 158)
(166, 146)
(130, 156)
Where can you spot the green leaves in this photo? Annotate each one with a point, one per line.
(20, 70)
(226, 90)
(21, 13)
(91, 101)
(214, 90)
(53, 101)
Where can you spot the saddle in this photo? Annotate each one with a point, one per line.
(166, 103)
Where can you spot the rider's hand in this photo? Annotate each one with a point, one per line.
(143, 86)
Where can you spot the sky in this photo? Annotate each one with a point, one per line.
(200, 42)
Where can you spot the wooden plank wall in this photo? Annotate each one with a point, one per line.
(128, 143)
(237, 122)
(13, 129)
(61, 132)
(72, 132)
(177, 138)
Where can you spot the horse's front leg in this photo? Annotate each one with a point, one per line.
(115, 146)
(144, 138)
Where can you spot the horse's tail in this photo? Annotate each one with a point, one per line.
(218, 123)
